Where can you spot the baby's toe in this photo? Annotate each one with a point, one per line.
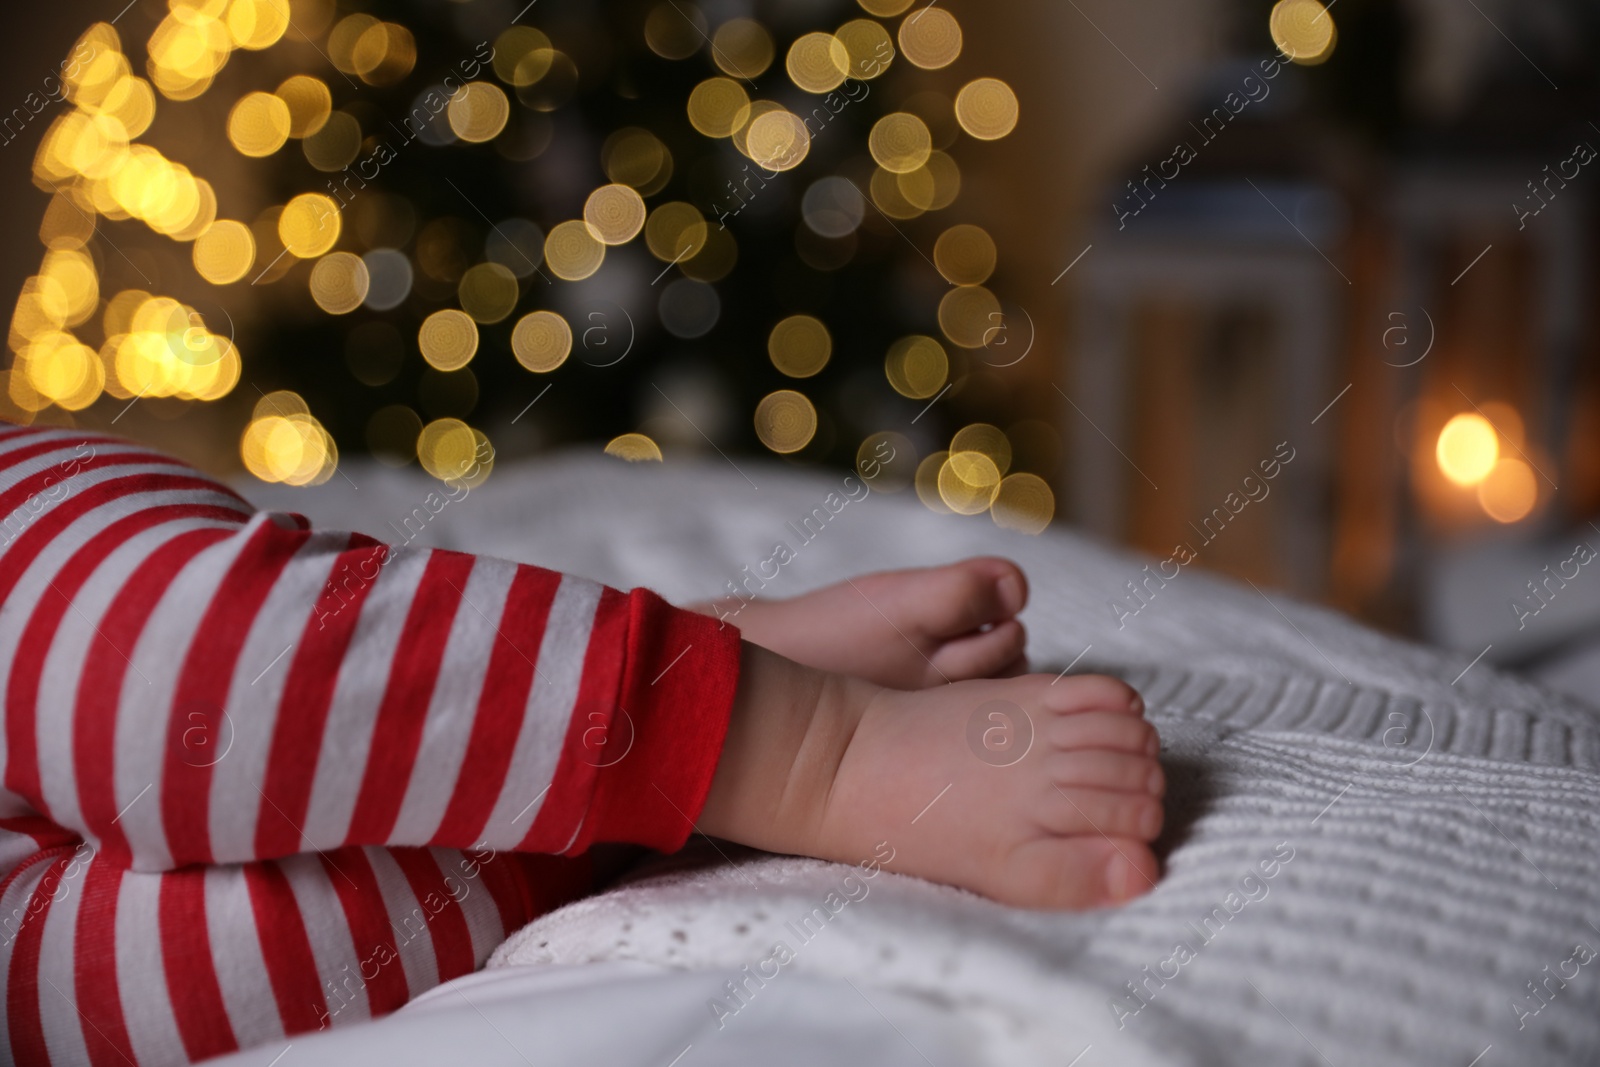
(1073, 873)
(1120, 771)
(1093, 692)
(1075, 810)
(979, 655)
(1117, 732)
(961, 597)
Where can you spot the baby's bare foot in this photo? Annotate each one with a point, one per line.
(906, 629)
(1034, 792)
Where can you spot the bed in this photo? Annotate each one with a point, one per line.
(1431, 828)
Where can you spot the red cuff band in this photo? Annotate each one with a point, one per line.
(679, 673)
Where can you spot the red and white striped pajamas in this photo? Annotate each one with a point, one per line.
(260, 779)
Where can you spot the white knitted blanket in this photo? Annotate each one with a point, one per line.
(1371, 857)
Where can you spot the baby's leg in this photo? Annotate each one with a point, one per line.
(1054, 811)
(107, 965)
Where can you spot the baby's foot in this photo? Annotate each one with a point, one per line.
(906, 629)
(1033, 792)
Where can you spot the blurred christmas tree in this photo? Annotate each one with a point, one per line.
(441, 231)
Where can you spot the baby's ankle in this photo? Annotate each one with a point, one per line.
(787, 734)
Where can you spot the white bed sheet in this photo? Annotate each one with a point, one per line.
(1444, 826)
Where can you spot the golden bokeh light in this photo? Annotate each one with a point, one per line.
(933, 186)
(65, 226)
(916, 366)
(258, 125)
(868, 48)
(785, 421)
(545, 78)
(88, 82)
(343, 40)
(900, 142)
(41, 309)
(132, 102)
(741, 136)
(778, 140)
(1024, 503)
(718, 106)
(92, 159)
(969, 315)
(968, 482)
(162, 315)
(964, 254)
(61, 371)
(512, 47)
(984, 438)
(384, 53)
(675, 231)
(675, 30)
(532, 67)
(930, 38)
(742, 48)
(309, 225)
(118, 315)
(292, 448)
(636, 157)
(887, 196)
(334, 144)
(986, 108)
(1303, 30)
(488, 292)
(1467, 449)
(339, 283)
(225, 252)
(81, 144)
(448, 339)
(572, 252)
(257, 24)
(478, 111)
(799, 346)
(78, 284)
(186, 51)
(614, 214)
(22, 401)
(634, 447)
(1509, 492)
(309, 102)
(818, 62)
(166, 351)
(541, 341)
(204, 215)
(452, 451)
(927, 482)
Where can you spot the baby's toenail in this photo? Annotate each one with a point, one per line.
(1011, 593)
(1137, 704)
(1157, 781)
(1153, 746)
